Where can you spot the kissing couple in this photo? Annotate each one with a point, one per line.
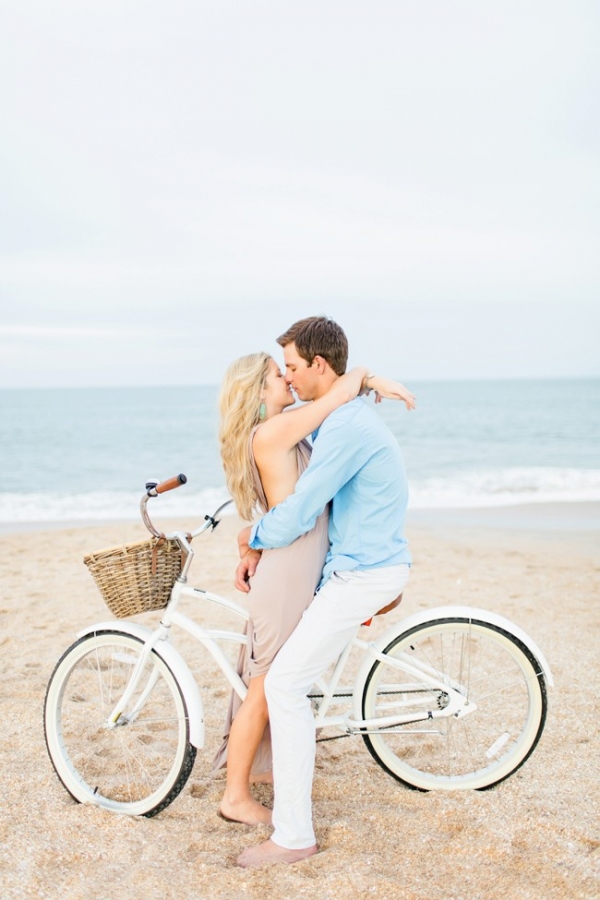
(327, 554)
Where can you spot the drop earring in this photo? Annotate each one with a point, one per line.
(262, 412)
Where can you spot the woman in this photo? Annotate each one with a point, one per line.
(264, 453)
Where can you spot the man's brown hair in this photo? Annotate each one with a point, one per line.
(318, 336)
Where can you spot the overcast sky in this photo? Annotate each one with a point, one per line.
(179, 181)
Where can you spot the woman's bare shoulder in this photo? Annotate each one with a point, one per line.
(270, 434)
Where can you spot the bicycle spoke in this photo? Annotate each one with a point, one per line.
(137, 766)
(487, 742)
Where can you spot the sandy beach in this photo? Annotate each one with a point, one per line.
(535, 836)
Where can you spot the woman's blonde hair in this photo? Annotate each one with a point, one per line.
(239, 405)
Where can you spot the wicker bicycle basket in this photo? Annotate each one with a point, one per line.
(136, 578)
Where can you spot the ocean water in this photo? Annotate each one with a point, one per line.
(84, 454)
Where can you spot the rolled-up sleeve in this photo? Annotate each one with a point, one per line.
(337, 455)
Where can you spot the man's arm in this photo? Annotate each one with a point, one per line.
(338, 453)
(246, 569)
(249, 560)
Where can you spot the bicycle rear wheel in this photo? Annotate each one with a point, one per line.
(137, 767)
(493, 669)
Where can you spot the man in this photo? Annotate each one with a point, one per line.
(356, 463)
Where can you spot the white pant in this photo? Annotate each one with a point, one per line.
(345, 601)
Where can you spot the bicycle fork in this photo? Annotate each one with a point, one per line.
(118, 717)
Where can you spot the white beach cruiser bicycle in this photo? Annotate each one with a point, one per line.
(448, 698)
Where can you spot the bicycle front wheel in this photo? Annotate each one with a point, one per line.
(139, 765)
(488, 665)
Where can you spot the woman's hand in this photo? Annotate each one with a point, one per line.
(389, 389)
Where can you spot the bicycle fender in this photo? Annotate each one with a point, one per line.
(175, 662)
(434, 615)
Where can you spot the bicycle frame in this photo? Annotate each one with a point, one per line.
(126, 688)
(326, 692)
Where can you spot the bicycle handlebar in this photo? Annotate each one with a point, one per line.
(153, 488)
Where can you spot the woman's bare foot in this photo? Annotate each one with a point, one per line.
(246, 812)
(267, 853)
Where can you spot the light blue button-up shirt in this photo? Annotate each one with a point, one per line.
(356, 462)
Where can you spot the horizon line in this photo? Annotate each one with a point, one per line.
(173, 385)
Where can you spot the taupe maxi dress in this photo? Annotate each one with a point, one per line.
(282, 588)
